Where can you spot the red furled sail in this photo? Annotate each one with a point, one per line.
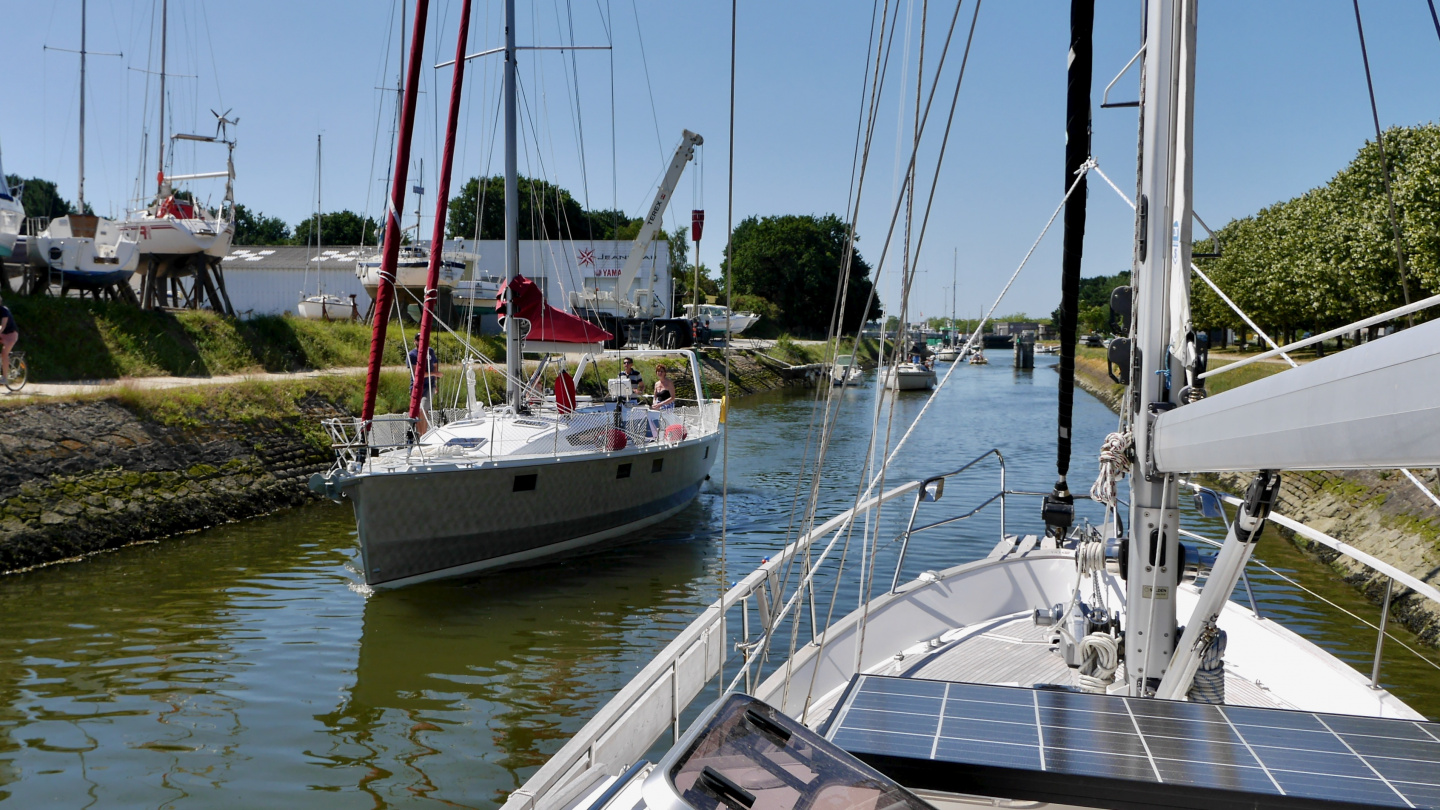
(547, 324)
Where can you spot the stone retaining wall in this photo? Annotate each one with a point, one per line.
(80, 477)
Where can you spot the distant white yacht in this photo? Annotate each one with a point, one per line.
(719, 318)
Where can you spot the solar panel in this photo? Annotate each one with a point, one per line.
(1120, 752)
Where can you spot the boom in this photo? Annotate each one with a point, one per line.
(683, 153)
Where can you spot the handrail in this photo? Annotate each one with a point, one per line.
(602, 746)
(934, 494)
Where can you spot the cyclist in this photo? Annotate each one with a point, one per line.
(9, 334)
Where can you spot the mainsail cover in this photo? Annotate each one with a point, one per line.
(547, 324)
(1376, 406)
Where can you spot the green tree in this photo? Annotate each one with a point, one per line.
(546, 212)
(1094, 301)
(794, 261)
(254, 228)
(337, 228)
(41, 198)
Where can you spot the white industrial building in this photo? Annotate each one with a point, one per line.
(268, 280)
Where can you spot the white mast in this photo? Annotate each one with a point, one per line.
(1162, 247)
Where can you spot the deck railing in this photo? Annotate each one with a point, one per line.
(1392, 574)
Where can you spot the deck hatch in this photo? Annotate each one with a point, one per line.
(1120, 752)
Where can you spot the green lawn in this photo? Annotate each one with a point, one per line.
(69, 339)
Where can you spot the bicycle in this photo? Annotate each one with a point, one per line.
(19, 372)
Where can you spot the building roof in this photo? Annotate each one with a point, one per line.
(294, 257)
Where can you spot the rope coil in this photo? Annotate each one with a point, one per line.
(1114, 465)
(1100, 657)
(1208, 685)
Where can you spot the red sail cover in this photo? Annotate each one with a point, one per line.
(546, 322)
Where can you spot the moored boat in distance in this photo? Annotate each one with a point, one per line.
(845, 371)
(908, 377)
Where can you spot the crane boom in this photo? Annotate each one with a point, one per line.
(683, 154)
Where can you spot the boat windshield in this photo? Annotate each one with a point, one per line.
(752, 757)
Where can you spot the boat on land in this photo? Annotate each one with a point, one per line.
(720, 319)
(81, 250)
(410, 271)
(181, 240)
(456, 488)
(1076, 664)
(12, 215)
(322, 306)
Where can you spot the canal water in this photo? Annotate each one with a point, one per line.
(241, 666)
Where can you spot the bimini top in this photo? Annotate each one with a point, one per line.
(547, 324)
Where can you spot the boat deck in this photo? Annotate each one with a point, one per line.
(1019, 653)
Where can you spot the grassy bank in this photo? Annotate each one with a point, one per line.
(1091, 374)
(69, 339)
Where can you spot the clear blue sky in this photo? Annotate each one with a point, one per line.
(1281, 106)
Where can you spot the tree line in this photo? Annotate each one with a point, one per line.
(1327, 257)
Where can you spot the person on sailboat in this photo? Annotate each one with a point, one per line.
(664, 389)
(9, 334)
(637, 380)
(428, 379)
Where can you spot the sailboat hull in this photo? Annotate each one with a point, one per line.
(416, 526)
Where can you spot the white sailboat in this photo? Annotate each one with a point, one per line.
(85, 251)
(1089, 666)
(12, 215)
(178, 236)
(949, 350)
(543, 473)
(322, 306)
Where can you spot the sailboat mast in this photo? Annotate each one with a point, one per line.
(81, 196)
(319, 206)
(385, 291)
(1162, 248)
(513, 365)
(164, 37)
(442, 195)
(954, 288)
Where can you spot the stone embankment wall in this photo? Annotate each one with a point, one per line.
(80, 477)
(1380, 513)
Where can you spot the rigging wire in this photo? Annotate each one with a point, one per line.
(1223, 297)
(729, 252)
(1384, 165)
